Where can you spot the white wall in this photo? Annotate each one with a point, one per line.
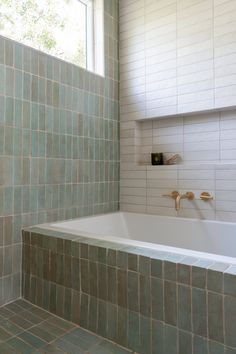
(201, 138)
(207, 145)
(177, 56)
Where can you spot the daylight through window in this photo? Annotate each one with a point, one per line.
(62, 28)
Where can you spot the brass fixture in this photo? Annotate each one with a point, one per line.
(178, 196)
(172, 195)
(206, 196)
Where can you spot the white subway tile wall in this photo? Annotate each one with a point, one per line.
(209, 137)
(176, 56)
(207, 146)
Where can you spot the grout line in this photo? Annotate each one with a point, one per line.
(101, 339)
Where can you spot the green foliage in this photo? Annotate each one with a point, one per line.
(42, 24)
(80, 55)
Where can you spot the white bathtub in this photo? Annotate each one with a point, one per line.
(190, 237)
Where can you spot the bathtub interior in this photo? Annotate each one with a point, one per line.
(211, 237)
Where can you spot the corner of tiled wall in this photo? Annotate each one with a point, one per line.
(59, 143)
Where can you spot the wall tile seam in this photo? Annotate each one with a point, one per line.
(153, 319)
(23, 71)
(165, 261)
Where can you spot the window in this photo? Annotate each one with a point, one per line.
(62, 28)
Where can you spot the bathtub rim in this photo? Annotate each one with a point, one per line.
(168, 250)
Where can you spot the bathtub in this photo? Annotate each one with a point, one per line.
(134, 271)
(188, 237)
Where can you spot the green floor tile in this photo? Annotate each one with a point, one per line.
(52, 335)
(40, 313)
(99, 349)
(14, 308)
(4, 335)
(20, 346)
(78, 342)
(114, 348)
(31, 317)
(32, 340)
(47, 336)
(24, 304)
(82, 338)
(65, 325)
(21, 322)
(5, 349)
(68, 347)
(50, 349)
(5, 313)
(10, 327)
(55, 331)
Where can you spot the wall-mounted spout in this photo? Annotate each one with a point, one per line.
(178, 196)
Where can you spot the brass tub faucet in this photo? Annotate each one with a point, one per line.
(206, 196)
(178, 196)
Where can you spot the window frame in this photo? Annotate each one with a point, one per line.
(90, 31)
(94, 37)
(95, 62)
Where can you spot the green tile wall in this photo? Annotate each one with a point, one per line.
(59, 143)
(125, 293)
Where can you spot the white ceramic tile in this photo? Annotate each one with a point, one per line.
(132, 199)
(224, 6)
(228, 144)
(225, 216)
(224, 185)
(161, 211)
(168, 148)
(206, 95)
(196, 174)
(195, 67)
(168, 131)
(225, 195)
(196, 184)
(133, 208)
(161, 111)
(163, 183)
(228, 155)
(197, 214)
(212, 126)
(162, 174)
(226, 206)
(178, 56)
(138, 183)
(168, 139)
(139, 192)
(200, 137)
(207, 156)
(203, 146)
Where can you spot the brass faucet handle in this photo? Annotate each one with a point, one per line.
(206, 196)
(190, 195)
(172, 195)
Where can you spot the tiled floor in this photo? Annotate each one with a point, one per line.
(27, 329)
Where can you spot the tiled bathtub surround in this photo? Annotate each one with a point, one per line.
(151, 302)
(58, 143)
